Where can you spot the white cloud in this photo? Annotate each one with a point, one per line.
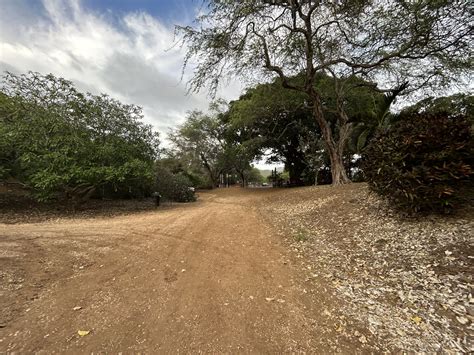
(132, 59)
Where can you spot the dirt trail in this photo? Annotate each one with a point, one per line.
(209, 276)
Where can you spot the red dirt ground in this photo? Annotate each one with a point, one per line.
(210, 276)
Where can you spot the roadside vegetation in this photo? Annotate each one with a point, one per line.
(329, 76)
(62, 144)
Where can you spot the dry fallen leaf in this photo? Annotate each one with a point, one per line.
(83, 333)
(417, 320)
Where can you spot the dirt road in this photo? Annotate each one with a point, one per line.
(204, 277)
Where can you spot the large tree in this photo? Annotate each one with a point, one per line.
(392, 43)
(280, 121)
(277, 122)
(199, 141)
(458, 104)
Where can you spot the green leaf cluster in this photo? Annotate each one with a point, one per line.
(208, 146)
(280, 121)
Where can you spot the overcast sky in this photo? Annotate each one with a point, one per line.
(120, 47)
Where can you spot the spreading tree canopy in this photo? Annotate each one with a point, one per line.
(400, 45)
(199, 142)
(280, 121)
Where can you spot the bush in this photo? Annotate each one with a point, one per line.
(423, 162)
(174, 187)
(60, 142)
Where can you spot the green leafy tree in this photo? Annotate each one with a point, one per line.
(278, 122)
(457, 104)
(281, 121)
(193, 171)
(425, 43)
(59, 141)
(237, 157)
(254, 176)
(208, 141)
(200, 141)
(173, 186)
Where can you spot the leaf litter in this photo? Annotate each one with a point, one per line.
(407, 281)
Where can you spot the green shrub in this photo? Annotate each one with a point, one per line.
(58, 141)
(174, 187)
(423, 162)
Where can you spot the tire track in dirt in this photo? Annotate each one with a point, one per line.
(204, 277)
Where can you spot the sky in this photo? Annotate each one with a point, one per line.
(125, 48)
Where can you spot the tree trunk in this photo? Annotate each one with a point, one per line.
(335, 149)
(213, 175)
(338, 171)
(242, 176)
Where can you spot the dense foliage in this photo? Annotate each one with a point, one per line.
(279, 123)
(198, 142)
(457, 104)
(424, 162)
(174, 187)
(176, 165)
(61, 143)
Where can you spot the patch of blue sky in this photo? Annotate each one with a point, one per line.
(168, 12)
